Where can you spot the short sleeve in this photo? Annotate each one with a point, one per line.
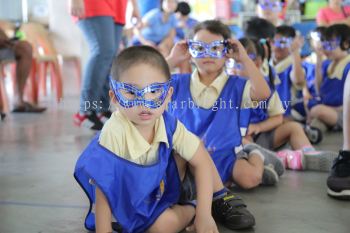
(298, 87)
(275, 105)
(151, 17)
(184, 142)
(111, 140)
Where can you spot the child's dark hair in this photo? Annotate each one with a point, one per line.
(139, 55)
(214, 26)
(259, 28)
(341, 31)
(320, 29)
(286, 31)
(255, 46)
(184, 8)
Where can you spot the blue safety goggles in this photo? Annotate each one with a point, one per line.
(316, 36)
(128, 96)
(275, 6)
(330, 45)
(215, 49)
(282, 43)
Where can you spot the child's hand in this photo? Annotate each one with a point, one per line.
(253, 129)
(203, 224)
(297, 44)
(77, 8)
(236, 51)
(180, 52)
(318, 49)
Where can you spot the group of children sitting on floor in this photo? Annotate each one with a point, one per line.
(165, 159)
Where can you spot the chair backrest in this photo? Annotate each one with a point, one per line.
(8, 28)
(39, 37)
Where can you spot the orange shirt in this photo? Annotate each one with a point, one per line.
(113, 8)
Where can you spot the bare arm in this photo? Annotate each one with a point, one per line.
(76, 8)
(201, 165)
(298, 73)
(178, 54)
(259, 88)
(103, 213)
(318, 80)
(137, 32)
(271, 123)
(170, 37)
(135, 10)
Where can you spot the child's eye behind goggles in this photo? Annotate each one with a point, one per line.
(215, 49)
(270, 5)
(330, 45)
(152, 96)
(282, 43)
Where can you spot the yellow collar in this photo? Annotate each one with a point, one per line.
(135, 142)
(339, 69)
(283, 65)
(218, 84)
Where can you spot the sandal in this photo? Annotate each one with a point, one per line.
(28, 108)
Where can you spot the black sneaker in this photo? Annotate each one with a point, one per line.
(231, 211)
(90, 121)
(339, 180)
(313, 134)
(116, 227)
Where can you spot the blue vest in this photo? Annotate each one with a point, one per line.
(332, 90)
(136, 194)
(219, 128)
(284, 89)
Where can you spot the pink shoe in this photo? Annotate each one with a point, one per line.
(293, 160)
(282, 155)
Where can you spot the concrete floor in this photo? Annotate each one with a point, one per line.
(38, 192)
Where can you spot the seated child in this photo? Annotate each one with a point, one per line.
(288, 65)
(326, 111)
(158, 28)
(184, 22)
(129, 170)
(209, 101)
(184, 26)
(268, 129)
(292, 72)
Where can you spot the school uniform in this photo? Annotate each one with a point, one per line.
(140, 180)
(331, 91)
(261, 111)
(212, 113)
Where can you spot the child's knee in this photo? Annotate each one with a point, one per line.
(296, 127)
(248, 179)
(317, 111)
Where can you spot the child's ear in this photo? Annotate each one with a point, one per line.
(112, 97)
(170, 92)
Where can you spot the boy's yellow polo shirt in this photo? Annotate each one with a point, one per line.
(206, 96)
(120, 136)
